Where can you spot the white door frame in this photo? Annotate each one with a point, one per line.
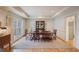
(70, 19)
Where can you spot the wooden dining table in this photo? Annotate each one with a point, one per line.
(43, 36)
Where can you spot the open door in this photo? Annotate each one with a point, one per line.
(70, 30)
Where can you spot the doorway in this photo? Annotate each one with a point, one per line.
(70, 30)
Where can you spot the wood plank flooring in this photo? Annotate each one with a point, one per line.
(25, 45)
(47, 50)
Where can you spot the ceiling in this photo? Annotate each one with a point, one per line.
(36, 11)
(16, 10)
(42, 11)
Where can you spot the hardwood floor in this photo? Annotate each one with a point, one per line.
(25, 45)
(47, 50)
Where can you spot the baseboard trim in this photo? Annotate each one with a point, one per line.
(61, 39)
(17, 40)
(64, 41)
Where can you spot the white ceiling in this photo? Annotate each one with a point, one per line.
(42, 11)
(16, 10)
(36, 11)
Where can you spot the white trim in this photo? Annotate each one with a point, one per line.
(70, 19)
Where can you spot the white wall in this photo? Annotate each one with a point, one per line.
(77, 30)
(3, 15)
(31, 24)
(60, 20)
(59, 24)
